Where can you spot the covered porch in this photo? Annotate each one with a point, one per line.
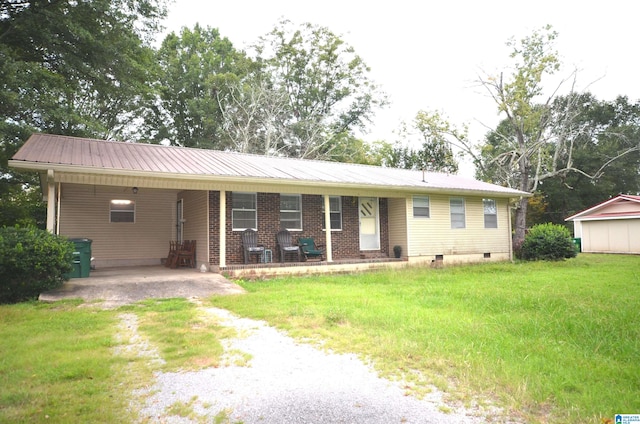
(266, 270)
(158, 215)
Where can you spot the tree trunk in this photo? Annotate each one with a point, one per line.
(521, 222)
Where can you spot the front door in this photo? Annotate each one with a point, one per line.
(180, 221)
(369, 224)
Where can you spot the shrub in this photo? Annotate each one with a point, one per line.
(548, 242)
(31, 261)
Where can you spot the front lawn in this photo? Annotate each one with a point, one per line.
(548, 341)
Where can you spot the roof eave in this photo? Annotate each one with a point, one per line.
(592, 209)
(256, 181)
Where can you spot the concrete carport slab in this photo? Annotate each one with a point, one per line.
(120, 286)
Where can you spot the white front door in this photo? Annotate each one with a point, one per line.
(369, 224)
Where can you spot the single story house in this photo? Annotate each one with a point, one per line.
(132, 199)
(612, 226)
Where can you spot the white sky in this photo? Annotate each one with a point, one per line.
(426, 55)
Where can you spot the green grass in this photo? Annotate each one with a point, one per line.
(548, 341)
(58, 362)
(187, 340)
(57, 365)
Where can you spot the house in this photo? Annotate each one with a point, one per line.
(612, 226)
(132, 199)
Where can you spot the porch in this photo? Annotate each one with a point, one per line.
(338, 266)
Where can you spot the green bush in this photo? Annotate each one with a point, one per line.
(31, 261)
(548, 242)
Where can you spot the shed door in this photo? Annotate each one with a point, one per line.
(369, 224)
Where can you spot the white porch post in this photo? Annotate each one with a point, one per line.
(327, 226)
(223, 228)
(51, 202)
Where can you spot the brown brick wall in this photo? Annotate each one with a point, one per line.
(345, 243)
(214, 227)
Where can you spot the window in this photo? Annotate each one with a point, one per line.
(291, 211)
(335, 212)
(421, 206)
(244, 212)
(456, 205)
(122, 211)
(490, 213)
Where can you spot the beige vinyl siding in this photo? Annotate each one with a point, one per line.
(434, 235)
(195, 214)
(611, 236)
(84, 212)
(397, 224)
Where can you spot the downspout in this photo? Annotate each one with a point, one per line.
(509, 235)
(51, 202)
(327, 226)
(223, 228)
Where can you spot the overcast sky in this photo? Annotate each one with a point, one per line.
(426, 55)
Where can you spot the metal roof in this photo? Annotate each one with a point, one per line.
(73, 154)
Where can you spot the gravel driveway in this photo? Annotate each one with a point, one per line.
(288, 382)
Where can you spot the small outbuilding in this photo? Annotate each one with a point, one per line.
(612, 226)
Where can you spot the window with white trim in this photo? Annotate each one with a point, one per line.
(122, 211)
(291, 211)
(335, 212)
(244, 211)
(490, 213)
(456, 207)
(421, 207)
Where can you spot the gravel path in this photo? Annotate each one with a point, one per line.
(287, 382)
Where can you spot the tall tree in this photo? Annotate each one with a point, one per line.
(75, 67)
(327, 85)
(196, 67)
(610, 137)
(255, 116)
(70, 67)
(538, 138)
(435, 153)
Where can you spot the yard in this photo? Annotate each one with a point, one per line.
(548, 342)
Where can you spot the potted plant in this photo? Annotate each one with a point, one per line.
(397, 251)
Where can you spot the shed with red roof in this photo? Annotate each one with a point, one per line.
(612, 226)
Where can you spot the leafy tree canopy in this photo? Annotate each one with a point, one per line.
(327, 86)
(196, 68)
(70, 67)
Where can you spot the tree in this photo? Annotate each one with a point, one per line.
(76, 68)
(196, 67)
(528, 154)
(611, 129)
(327, 86)
(428, 130)
(255, 116)
(540, 134)
(70, 67)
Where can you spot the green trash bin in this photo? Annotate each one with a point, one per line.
(577, 242)
(75, 263)
(81, 258)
